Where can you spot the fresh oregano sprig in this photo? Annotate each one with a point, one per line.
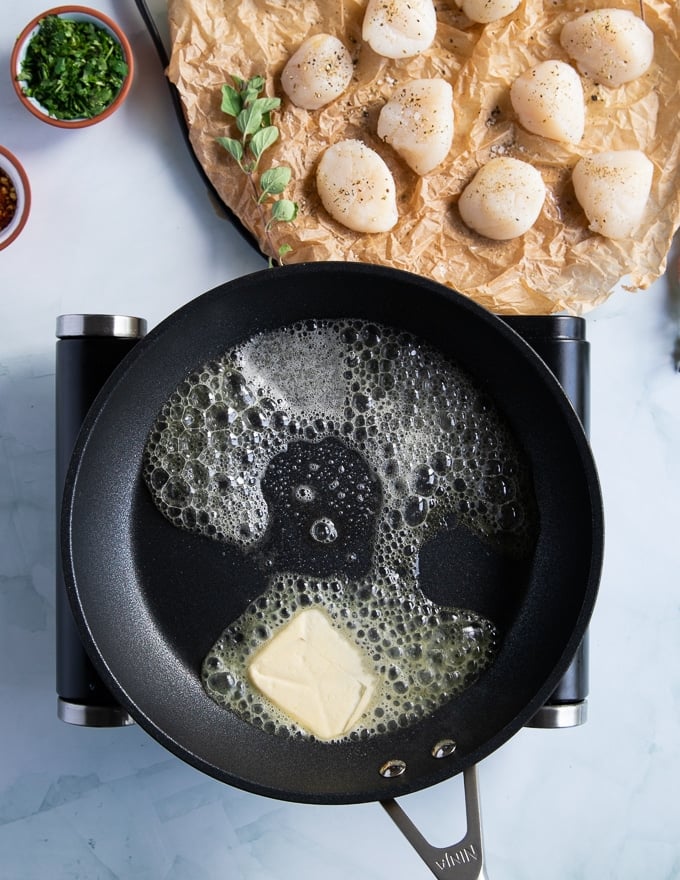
(252, 113)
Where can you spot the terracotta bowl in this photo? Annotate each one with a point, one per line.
(74, 13)
(11, 168)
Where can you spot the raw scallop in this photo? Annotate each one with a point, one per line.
(357, 188)
(418, 122)
(318, 73)
(486, 11)
(399, 28)
(548, 100)
(613, 188)
(613, 46)
(504, 198)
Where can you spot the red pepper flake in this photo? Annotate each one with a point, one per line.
(8, 199)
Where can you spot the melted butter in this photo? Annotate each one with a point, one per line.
(334, 450)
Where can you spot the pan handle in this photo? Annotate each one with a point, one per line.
(466, 857)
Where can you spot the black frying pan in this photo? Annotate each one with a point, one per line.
(151, 599)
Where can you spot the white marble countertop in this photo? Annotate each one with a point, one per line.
(121, 223)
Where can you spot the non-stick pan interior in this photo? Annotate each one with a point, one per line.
(151, 599)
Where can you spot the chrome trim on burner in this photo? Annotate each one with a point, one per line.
(92, 716)
(560, 715)
(119, 326)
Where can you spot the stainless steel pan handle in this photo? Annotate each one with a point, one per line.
(463, 860)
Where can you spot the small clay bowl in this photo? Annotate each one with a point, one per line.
(73, 13)
(13, 171)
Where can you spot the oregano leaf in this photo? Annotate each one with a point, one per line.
(284, 210)
(252, 89)
(232, 146)
(263, 139)
(256, 83)
(249, 120)
(266, 105)
(274, 180)
(248, 97)
(231, 101)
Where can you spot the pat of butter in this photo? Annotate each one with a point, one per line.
(315, 675)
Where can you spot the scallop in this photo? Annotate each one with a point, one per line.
(318, 72)
(356, 187)
(504, 198)
(418, 123)
(613, 187)
(399, 28)
(612, 46)
(486, 11)
(548, 101)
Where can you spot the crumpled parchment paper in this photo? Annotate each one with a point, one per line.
(559, 265)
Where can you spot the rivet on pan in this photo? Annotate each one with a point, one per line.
(443, 748)
(392, 768)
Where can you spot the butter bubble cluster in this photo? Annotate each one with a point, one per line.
(356, 443)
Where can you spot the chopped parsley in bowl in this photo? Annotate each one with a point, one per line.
(72, 66)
